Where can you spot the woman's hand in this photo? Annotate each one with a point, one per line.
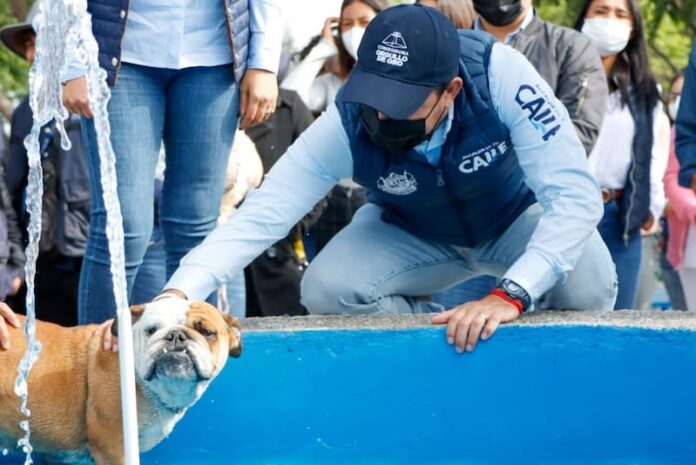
(7, 317)
(327, 33)
(258, 97)
(75, 97)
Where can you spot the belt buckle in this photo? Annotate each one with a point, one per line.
(607, 195)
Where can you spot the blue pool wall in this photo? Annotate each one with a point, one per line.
(551, 394)
(601, 391)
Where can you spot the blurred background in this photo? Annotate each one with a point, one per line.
(671, 27)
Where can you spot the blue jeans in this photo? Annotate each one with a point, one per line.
(376, 267)
(468, 291)
(194, 112)
(627, 256)
(152, 272)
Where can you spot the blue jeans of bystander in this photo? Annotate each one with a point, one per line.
(627, 255)
(194, 111)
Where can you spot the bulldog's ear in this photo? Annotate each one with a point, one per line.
(136, 312)
(234, 328)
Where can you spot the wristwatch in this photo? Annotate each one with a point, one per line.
(513, 293)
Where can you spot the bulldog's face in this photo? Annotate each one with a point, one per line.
(180, 346)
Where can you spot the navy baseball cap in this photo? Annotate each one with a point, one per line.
(406, 52)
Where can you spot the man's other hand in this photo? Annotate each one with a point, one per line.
(468, 322)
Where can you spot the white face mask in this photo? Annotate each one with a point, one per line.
(351, 40)
(673, 108)
(609, 36)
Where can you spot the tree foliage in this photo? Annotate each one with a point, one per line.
(13, 70)
(670, 29)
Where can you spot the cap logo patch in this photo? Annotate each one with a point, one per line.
(393, 50)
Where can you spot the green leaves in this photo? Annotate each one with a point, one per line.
(13, 69)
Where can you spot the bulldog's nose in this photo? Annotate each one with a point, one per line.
(176, 339)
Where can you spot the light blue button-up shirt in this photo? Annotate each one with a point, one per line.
(550, 154)
(179, 34)
(176, 34)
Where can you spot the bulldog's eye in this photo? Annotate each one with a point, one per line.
(207, 333)
(151, 330)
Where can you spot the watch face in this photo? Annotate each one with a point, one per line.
(513, 287)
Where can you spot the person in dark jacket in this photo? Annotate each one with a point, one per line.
(12, 256)
(686, 127)
(273, 278)
(563, 57)
(65, 202)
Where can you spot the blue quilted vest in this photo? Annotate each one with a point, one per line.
(477, 190)
(109, 24)
(635, 203)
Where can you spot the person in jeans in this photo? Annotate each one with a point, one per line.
(629, 158)
(181, 75)
(511, 197)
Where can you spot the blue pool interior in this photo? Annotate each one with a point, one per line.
(532, 395)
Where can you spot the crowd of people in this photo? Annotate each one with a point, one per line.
(460, 157)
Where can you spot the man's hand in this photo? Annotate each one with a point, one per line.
(75, 97)
(467, 322)
(258, 96)
(7, 316)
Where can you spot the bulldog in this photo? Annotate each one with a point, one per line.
(74, 391)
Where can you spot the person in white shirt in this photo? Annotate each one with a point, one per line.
(628, 159)
(340, 38)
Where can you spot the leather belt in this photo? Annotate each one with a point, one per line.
(611, 194)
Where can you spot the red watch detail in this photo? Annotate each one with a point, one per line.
(500, 293)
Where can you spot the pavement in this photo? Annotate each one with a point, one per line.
(651, 319)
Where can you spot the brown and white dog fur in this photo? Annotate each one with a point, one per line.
(74, 393)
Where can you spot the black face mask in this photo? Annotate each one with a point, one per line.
(395, 136)
(498, 12)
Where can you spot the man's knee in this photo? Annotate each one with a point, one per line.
(325, 290)
(319, 291)
(591, 285)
